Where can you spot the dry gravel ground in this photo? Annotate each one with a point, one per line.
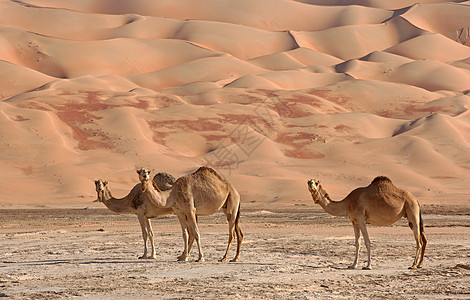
(301, 254)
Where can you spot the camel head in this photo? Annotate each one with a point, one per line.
(313, 184)
(144, 174)
(144, 177)
(314, 188)
(101, 186)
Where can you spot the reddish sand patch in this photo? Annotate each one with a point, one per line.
(298, 143)
(264, 92)
(162, 129)
(303, 154)
(161, 102)
(343, 127)
(141, 103)
(413, 108)
(20, 118)
(305, 100)
(86, 137)
(290, 109)
(335, 97)
(205, 124)
(386, 113)
(79, 118)
(27, 170)
(90, 139)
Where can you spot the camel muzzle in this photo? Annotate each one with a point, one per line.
(143, 184)
(100, 196)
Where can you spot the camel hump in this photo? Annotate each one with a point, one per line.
(379, 179)
(164, 181)
(203, 170)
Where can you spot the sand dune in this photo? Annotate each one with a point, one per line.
(16, 79)
(244, 12)
(427, 17)
(359, 40)
(224, 37)
(43, 20)
(213, 69)
(52, 56)
(432, 75)
(269, 92)
(418, 48)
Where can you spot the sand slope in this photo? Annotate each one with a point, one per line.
(270, 93)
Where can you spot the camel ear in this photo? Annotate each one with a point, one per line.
(105, 183)
(138, 171)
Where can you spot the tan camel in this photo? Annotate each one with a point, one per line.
(136, 202)
(381, 203)
(201, 193)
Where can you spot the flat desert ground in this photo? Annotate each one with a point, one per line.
(269, 93)
(301, 254)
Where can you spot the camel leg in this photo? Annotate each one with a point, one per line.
(415, 222)
(191, 240)
(231, 233)
(239, 233)
(419, 243)
(143, 226)
(357, 235)
(194, 232)
(182, 219)
(190, 243)
(232, 212)
(153, 253)
(424, 242)
(365, 234)
(419, 246)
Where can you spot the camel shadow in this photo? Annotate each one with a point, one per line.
(81, 261)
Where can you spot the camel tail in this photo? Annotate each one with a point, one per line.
(421, 223)
(237, 218)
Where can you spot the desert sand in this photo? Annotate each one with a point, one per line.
(289, 254)
(270, 93)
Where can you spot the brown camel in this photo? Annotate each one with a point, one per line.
(381, 203)
(136, 202)
(201, 193)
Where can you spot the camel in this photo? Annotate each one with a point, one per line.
(136, 202)
(381, 203)
(201, 193)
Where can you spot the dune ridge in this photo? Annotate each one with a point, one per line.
(270, 93)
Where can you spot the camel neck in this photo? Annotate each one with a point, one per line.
(158, 198)
(334, 208)
(116, 205)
